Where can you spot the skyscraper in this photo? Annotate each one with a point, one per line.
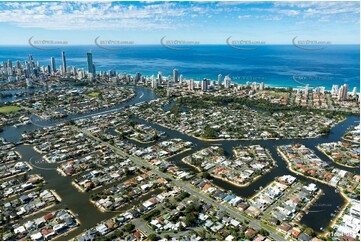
(307, 89)
(204, 84)
(94, 70)
(227, 82)
(17, 64)
(52, 65)
(175, 75)
(74, 70)
(345, 92)
(261, 86)
(354, 92)
(91, 66)
(63, 62)
(10, 63)
(254, 86)
(137, 78)
(334, 89)
(191, 85)
(220, 80)
(154, 82)
(159, 77)
(342, 93)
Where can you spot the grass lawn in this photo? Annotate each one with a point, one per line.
(9, 109)
(93, 94)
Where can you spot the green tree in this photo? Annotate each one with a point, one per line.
(152, 237)
(263, 232)
(175, 109)
(129, 227)
(210, 133)
(190, 219)
(206, 175)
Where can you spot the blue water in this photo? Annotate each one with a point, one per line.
(273, 64)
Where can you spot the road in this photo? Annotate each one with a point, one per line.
(187, 187)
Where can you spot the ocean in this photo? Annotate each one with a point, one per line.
(275, 65)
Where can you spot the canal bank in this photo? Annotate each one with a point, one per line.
(89, 216)
(320, 212)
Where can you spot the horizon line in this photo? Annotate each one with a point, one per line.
(225, 44)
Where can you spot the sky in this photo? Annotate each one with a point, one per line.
(79, 23)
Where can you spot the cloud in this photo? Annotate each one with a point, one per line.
(321, 8)
(165, 15)
(244, 16)
(76, 15)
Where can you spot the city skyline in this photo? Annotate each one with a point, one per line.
(341, 93)
(146, 23)
(180, 121)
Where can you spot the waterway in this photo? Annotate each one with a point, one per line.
(72, 199)
(319, 215)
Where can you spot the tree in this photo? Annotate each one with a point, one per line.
(70, 122)
(263, 232)
(152, 237)
(210, 133)
(24, 178)
(206, 175)
(325, 130)
(129, 227)
(132, 123)
(309, 231)
(175, 109)
(190, 219)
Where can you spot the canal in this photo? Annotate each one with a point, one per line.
(319, 215)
